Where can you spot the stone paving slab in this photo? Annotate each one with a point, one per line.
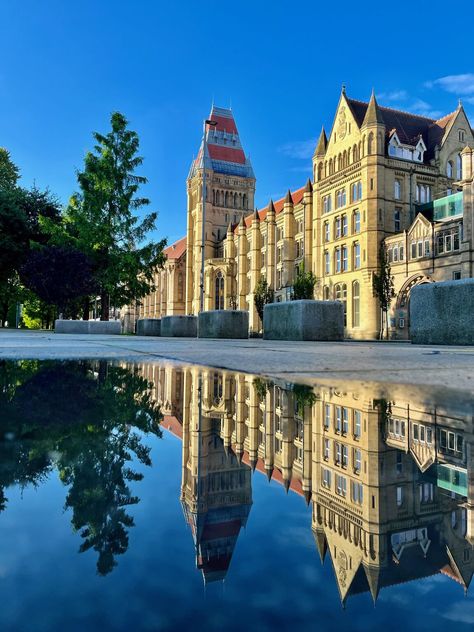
(401, 363)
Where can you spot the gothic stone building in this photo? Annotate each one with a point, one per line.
(380, 175)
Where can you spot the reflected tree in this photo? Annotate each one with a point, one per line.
(88, 421)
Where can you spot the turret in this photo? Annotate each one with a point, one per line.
(230, 243)
(308, 223)
(255, 267)
(242, 264)
(271, 239)
(288, 240)
(374, 127)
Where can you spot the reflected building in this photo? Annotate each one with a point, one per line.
(390, 483)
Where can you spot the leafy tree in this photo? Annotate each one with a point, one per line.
(59, 275)
(22, 214)
(87, 420)
(303, 287)
(262, 296)
(383, 288)
(104, 221)
(9, 172)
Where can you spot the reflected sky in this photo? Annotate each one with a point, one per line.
(158, 497)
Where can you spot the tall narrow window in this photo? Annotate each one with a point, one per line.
(344, 258)
(355, 304)
(449, 169)
(338, 259)
(356, 255)
(327, 262)
(356, 221)
(327, 232)
(357, 423)
(458, 167)
(397, 190)
(219, 300)
(344, 225)
(397, 220)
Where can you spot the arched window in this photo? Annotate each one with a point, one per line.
(244, 201)
(330, 166)
(449, 169)
(320, 171)
(326, 293)
(344, 302)
(370, 144)
(344, 159)
(226, 199)
(219, 299)
(355, 155)
(458, 167)
(355, 304)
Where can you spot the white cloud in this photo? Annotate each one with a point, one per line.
(300, 149)
(390, 97)
(424, 109)
(469, 100)
(460, 612)
(457, 84)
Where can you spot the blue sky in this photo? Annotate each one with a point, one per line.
(66, 65)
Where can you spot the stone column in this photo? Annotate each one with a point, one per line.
(288, 241)
(242, 265)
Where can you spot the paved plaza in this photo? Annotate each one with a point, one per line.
(397, 363)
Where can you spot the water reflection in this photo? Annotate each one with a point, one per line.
(84, 420)
(390, 483)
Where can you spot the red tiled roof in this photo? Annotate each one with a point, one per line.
(173, 425)
(224, 124)
(295, 483)
(214, 531)
(176, 250)
(227, 154)
(262, 213)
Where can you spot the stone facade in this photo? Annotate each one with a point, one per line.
(373, 177)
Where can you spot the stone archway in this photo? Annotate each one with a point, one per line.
(402, 305)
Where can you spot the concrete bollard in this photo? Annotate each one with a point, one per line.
(99, 327)
(179, 326)
(149, 327)
(442, 313)
(304, 320)
(223, 323)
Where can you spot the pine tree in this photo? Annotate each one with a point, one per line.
(105, 225)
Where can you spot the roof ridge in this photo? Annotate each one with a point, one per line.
(385, 107)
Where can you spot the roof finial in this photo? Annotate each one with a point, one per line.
(460, 103)
(343, 88)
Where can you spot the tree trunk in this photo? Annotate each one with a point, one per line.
(104, 306)
(85, 309)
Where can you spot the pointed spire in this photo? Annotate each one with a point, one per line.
(322, 143)
(288, 198)
(256, 217)
(269, 471)
(372, 575)
(286, 484)
(271, 206)
(307, 496)
(242, 223)
(253, 464)
(309, 187)
(321, 543)
(373, 115)
(229, 229)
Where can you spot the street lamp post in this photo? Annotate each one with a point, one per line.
(204, 197)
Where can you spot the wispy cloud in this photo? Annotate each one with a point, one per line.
(300, 149)
(460, 612)
(425, 109)
(395, 95)
(456, 84)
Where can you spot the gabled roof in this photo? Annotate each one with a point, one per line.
(176, 250)
(408, 126)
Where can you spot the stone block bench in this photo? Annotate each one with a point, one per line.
(304, 320)
(442, 313)
(223, 323)
(149, 327)
(102, 327)
(179, 326)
